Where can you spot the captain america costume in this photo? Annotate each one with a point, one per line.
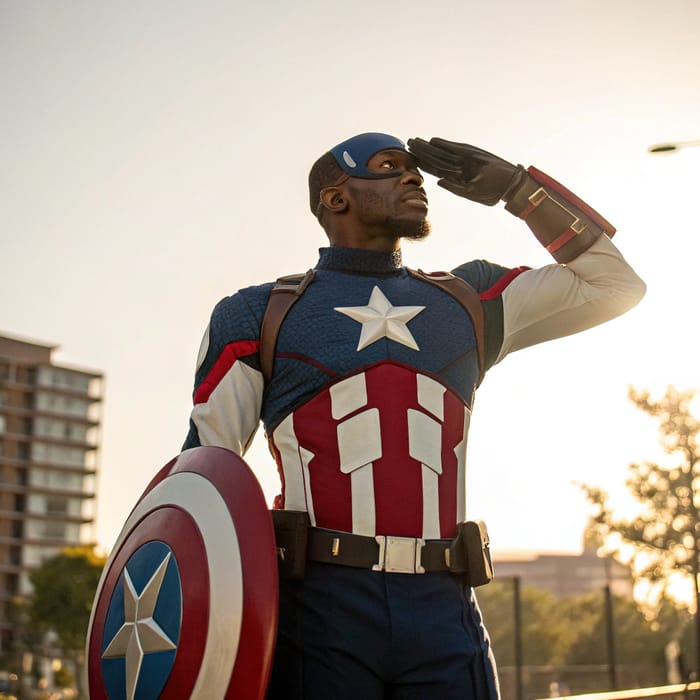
(337, 389)
(367, 415)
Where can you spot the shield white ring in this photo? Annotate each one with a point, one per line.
(197, 496)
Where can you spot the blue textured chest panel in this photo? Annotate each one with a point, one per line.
(344, 322)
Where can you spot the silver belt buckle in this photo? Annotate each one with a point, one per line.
(399, 555)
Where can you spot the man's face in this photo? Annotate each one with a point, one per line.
(393, 206)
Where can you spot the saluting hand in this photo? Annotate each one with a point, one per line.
(466, 170)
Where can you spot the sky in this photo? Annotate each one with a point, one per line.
(154, 160)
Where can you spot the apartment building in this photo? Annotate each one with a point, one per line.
(49, 440)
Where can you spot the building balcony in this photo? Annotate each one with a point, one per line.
(93, 396)
(56, 516)
(28, 463)
(27, 438)
(15, 384)
(12, 566)
(25, 489)
(84, 444)
(43, 541)
(7, 567)
(24, 412)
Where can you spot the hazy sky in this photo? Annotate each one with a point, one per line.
(154, 159)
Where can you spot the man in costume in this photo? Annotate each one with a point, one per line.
(365, 388)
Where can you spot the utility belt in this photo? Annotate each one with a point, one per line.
(467, 555)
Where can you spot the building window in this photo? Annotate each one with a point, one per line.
(55, 529)
(57, 454)
(26, 375)
(12, 583)
(63, 378)
(56, 505)
(60, 429)
(57, 480)
(25, 585)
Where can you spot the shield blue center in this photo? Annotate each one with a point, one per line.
(142, 626)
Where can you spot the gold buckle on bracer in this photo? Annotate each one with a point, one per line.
(399, 555)
(541, 195)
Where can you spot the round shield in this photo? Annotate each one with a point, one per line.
(187, 603)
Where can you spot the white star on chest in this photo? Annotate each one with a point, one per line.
(380, 319)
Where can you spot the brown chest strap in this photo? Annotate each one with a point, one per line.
(468, 297)
(283, 296)
(289, 289)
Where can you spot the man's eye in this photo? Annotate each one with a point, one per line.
(388, 164)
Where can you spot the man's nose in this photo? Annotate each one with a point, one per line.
(409, 177)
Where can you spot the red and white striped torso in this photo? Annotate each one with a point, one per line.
(380, 452)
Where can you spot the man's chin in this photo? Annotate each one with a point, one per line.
(411, 229)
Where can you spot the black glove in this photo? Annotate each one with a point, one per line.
(465, 170)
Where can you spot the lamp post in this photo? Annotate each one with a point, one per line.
(672, 146)
(518, 635)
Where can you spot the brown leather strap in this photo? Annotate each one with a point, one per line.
(468, 297)
(283, 296)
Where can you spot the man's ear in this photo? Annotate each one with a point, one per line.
(334, 199)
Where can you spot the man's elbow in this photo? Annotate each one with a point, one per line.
(629, 294)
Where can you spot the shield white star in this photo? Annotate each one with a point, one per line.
(380, 319)
(140, 634)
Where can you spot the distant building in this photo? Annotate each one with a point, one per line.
(49, 439)
(567, 574)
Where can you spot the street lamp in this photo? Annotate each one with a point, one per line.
(672, 146)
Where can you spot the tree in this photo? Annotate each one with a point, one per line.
(567, 637)
(64, 589)
(542, 643)
(663, 537)
(637, 640)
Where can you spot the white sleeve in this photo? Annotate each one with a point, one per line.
(558, 300)
(228, 392)
(231, 414)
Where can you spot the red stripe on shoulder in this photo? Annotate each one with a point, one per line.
(495, 290)
(228, 357)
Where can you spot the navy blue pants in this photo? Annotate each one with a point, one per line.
(353, 634)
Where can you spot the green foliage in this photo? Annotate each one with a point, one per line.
(565, 632)
(63, 678)
(64, 588)
(664, 534)
(541, 642)
(636, 639)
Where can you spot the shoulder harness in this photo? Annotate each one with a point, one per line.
(288, 290)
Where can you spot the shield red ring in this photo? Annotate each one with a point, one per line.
(187, 603)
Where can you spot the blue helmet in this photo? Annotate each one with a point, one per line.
(352, 155)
